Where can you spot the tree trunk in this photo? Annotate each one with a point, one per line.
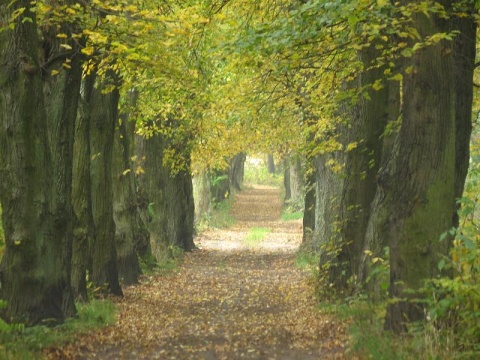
(464, 48)
(104, 108)
(237, 165)
(270, 164)
(201, 196)
(375, 243)
(309, 216)
(286, 179)
(171, 202)
(84, 227)
(143, 217)
(125, 211)
(34, 274)
(296, 182)
(420, 183)
(219, 185)
(61, 93)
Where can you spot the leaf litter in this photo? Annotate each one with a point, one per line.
(227, 300)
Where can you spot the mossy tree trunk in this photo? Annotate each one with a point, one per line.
(464, 50)
(84, 227)
(61, 93)
(201, 195)
(34, 273)
(143, 217)
(171, 203)
(103, 117)
(361, 165)
(420, 182)
(125, 209)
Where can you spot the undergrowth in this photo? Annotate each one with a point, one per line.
(256, 235)
(289, 216)
(219, 217)
(19, 342)
(258, 174)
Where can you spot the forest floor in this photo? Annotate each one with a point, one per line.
(237, 297)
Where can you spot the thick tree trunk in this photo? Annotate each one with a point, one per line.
(464, 49)
(125, 211)
(103, 116)
(143, 217)
(420, 183)
(34, 274)
(375, 243)
(84, 227)
(344, 199)
(236, 172)
(296, 182)
(171, 202)
(61, 94)
(201, 196)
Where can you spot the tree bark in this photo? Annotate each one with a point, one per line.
(270, 164)
(34, 273)
(219, 186)
(103, 116)
(125, 211)
(61, 93)
(309, 213)
(201, 195)
(420, 182)
(84, 227)
(171, 202)
(296, 182)
(236, 171)
(286, 179)
(464, 50)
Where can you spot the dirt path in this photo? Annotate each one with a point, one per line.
(229, 300)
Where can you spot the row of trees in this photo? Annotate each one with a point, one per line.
(377, 97)
(95, 153)
(381, 95)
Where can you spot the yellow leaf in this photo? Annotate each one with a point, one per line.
(126, 172)
(54, 72)
(62, 36)
(352, 146)
(377, 85)
(88, 50)
(397, 77)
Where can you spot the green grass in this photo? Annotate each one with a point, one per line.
(27, 343)
(306, 260)
(288, 216)
(364, 322)
(220, 217)
(256, 235)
